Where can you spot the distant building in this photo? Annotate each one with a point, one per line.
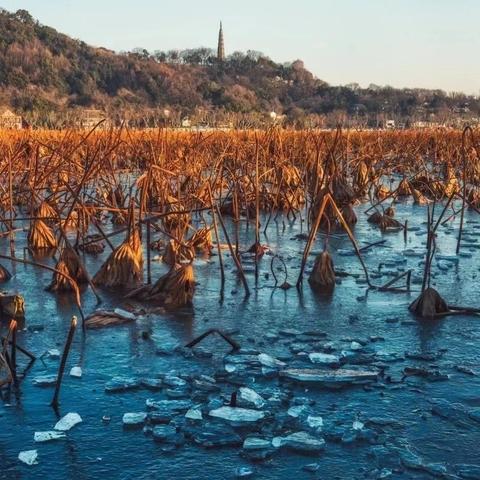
(88, 119)
(221, 45)
(10, 120)
(425, 124)
(186, 123)
(390, 124)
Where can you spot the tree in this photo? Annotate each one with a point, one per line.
(23, 16)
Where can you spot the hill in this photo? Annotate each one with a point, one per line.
(45, 74)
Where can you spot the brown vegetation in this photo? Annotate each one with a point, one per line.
(177, 187)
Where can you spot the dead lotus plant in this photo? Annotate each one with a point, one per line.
(41, 236)
(429, 304)
(384, 221)
(322, 277)
(5, 275)
(176, 252)
(173, 290)
(69, 270)
(201, 241)
(124, 266)
(5, 372)
(46, 212)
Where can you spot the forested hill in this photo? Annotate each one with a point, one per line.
(44, 74)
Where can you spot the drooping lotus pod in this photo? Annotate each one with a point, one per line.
(70, 265)
(349, 215)
(124, 266)
(40, 236)
(322, 277)
(173, 290)
(428, 304)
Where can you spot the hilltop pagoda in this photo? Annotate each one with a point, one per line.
(221, 45)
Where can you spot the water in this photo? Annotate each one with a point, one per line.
(94, 449)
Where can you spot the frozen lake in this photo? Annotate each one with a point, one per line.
(414, 426)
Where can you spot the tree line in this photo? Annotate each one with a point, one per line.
(45, 74)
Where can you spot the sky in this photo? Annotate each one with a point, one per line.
(402, 43)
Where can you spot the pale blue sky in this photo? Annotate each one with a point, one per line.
(403, 43)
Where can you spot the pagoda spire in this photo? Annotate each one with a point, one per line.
(221, 45)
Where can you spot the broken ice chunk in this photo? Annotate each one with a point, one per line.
(324, 358)
(314, 421)
(76, 372)
(194, 414)
(47, 436)
(269, 361)
(237, 415)
(45, 380)
(134, 418)
(29, 457)
(68, 422)
(251, 397)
